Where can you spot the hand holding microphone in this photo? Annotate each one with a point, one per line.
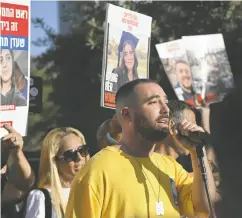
(188, 135)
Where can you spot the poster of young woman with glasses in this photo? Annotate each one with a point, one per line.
(126, 51)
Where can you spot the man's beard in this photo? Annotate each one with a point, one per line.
(150, 132)
(189, 86)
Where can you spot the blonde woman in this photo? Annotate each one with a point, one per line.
(63, 154)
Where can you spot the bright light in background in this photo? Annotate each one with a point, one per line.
(48, 10)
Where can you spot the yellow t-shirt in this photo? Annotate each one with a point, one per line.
(114, 184)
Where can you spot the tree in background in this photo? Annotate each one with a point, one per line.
(72, 65)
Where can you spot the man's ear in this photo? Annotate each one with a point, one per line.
(125, 113)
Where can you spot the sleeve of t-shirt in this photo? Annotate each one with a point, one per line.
(183, 183)
(83, 202)
(35, 207)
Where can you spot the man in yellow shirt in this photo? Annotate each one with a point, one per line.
(130, 180)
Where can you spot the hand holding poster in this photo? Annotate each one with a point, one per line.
(126, 50)
(14, 57)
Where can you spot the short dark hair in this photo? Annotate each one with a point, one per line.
(125, 95)
(178, 106)
(181, 62)
(128, 88)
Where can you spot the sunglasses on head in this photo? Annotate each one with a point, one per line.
(72, 154)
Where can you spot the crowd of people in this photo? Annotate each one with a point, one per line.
(144, 168)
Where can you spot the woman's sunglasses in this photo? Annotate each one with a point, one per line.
(72, 154)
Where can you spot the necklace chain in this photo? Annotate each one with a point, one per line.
(64, 183)
(158, 174)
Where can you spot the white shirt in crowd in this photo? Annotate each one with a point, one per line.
(35, 207)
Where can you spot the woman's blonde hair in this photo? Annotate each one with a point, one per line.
(48, 172)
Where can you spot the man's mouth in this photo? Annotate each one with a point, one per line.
(186, 78)
(163, 121)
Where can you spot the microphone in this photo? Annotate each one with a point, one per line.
(196, 137)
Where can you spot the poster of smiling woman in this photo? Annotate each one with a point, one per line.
(15, 61)
(126, 50)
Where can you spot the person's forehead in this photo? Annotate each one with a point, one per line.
(181, 64)
(146, 90)
(127, 46)
(71, 141)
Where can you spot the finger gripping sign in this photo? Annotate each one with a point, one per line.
(15, 62)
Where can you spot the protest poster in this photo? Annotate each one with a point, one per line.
(211, 72)
(15, 64)
(175, 62)
(126, 50)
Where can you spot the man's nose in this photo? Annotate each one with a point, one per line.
(185, 73)
(164, 109)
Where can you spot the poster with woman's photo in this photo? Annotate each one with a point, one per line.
(211, 72)
(175, 62)
(126, 51)
(15, 61)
